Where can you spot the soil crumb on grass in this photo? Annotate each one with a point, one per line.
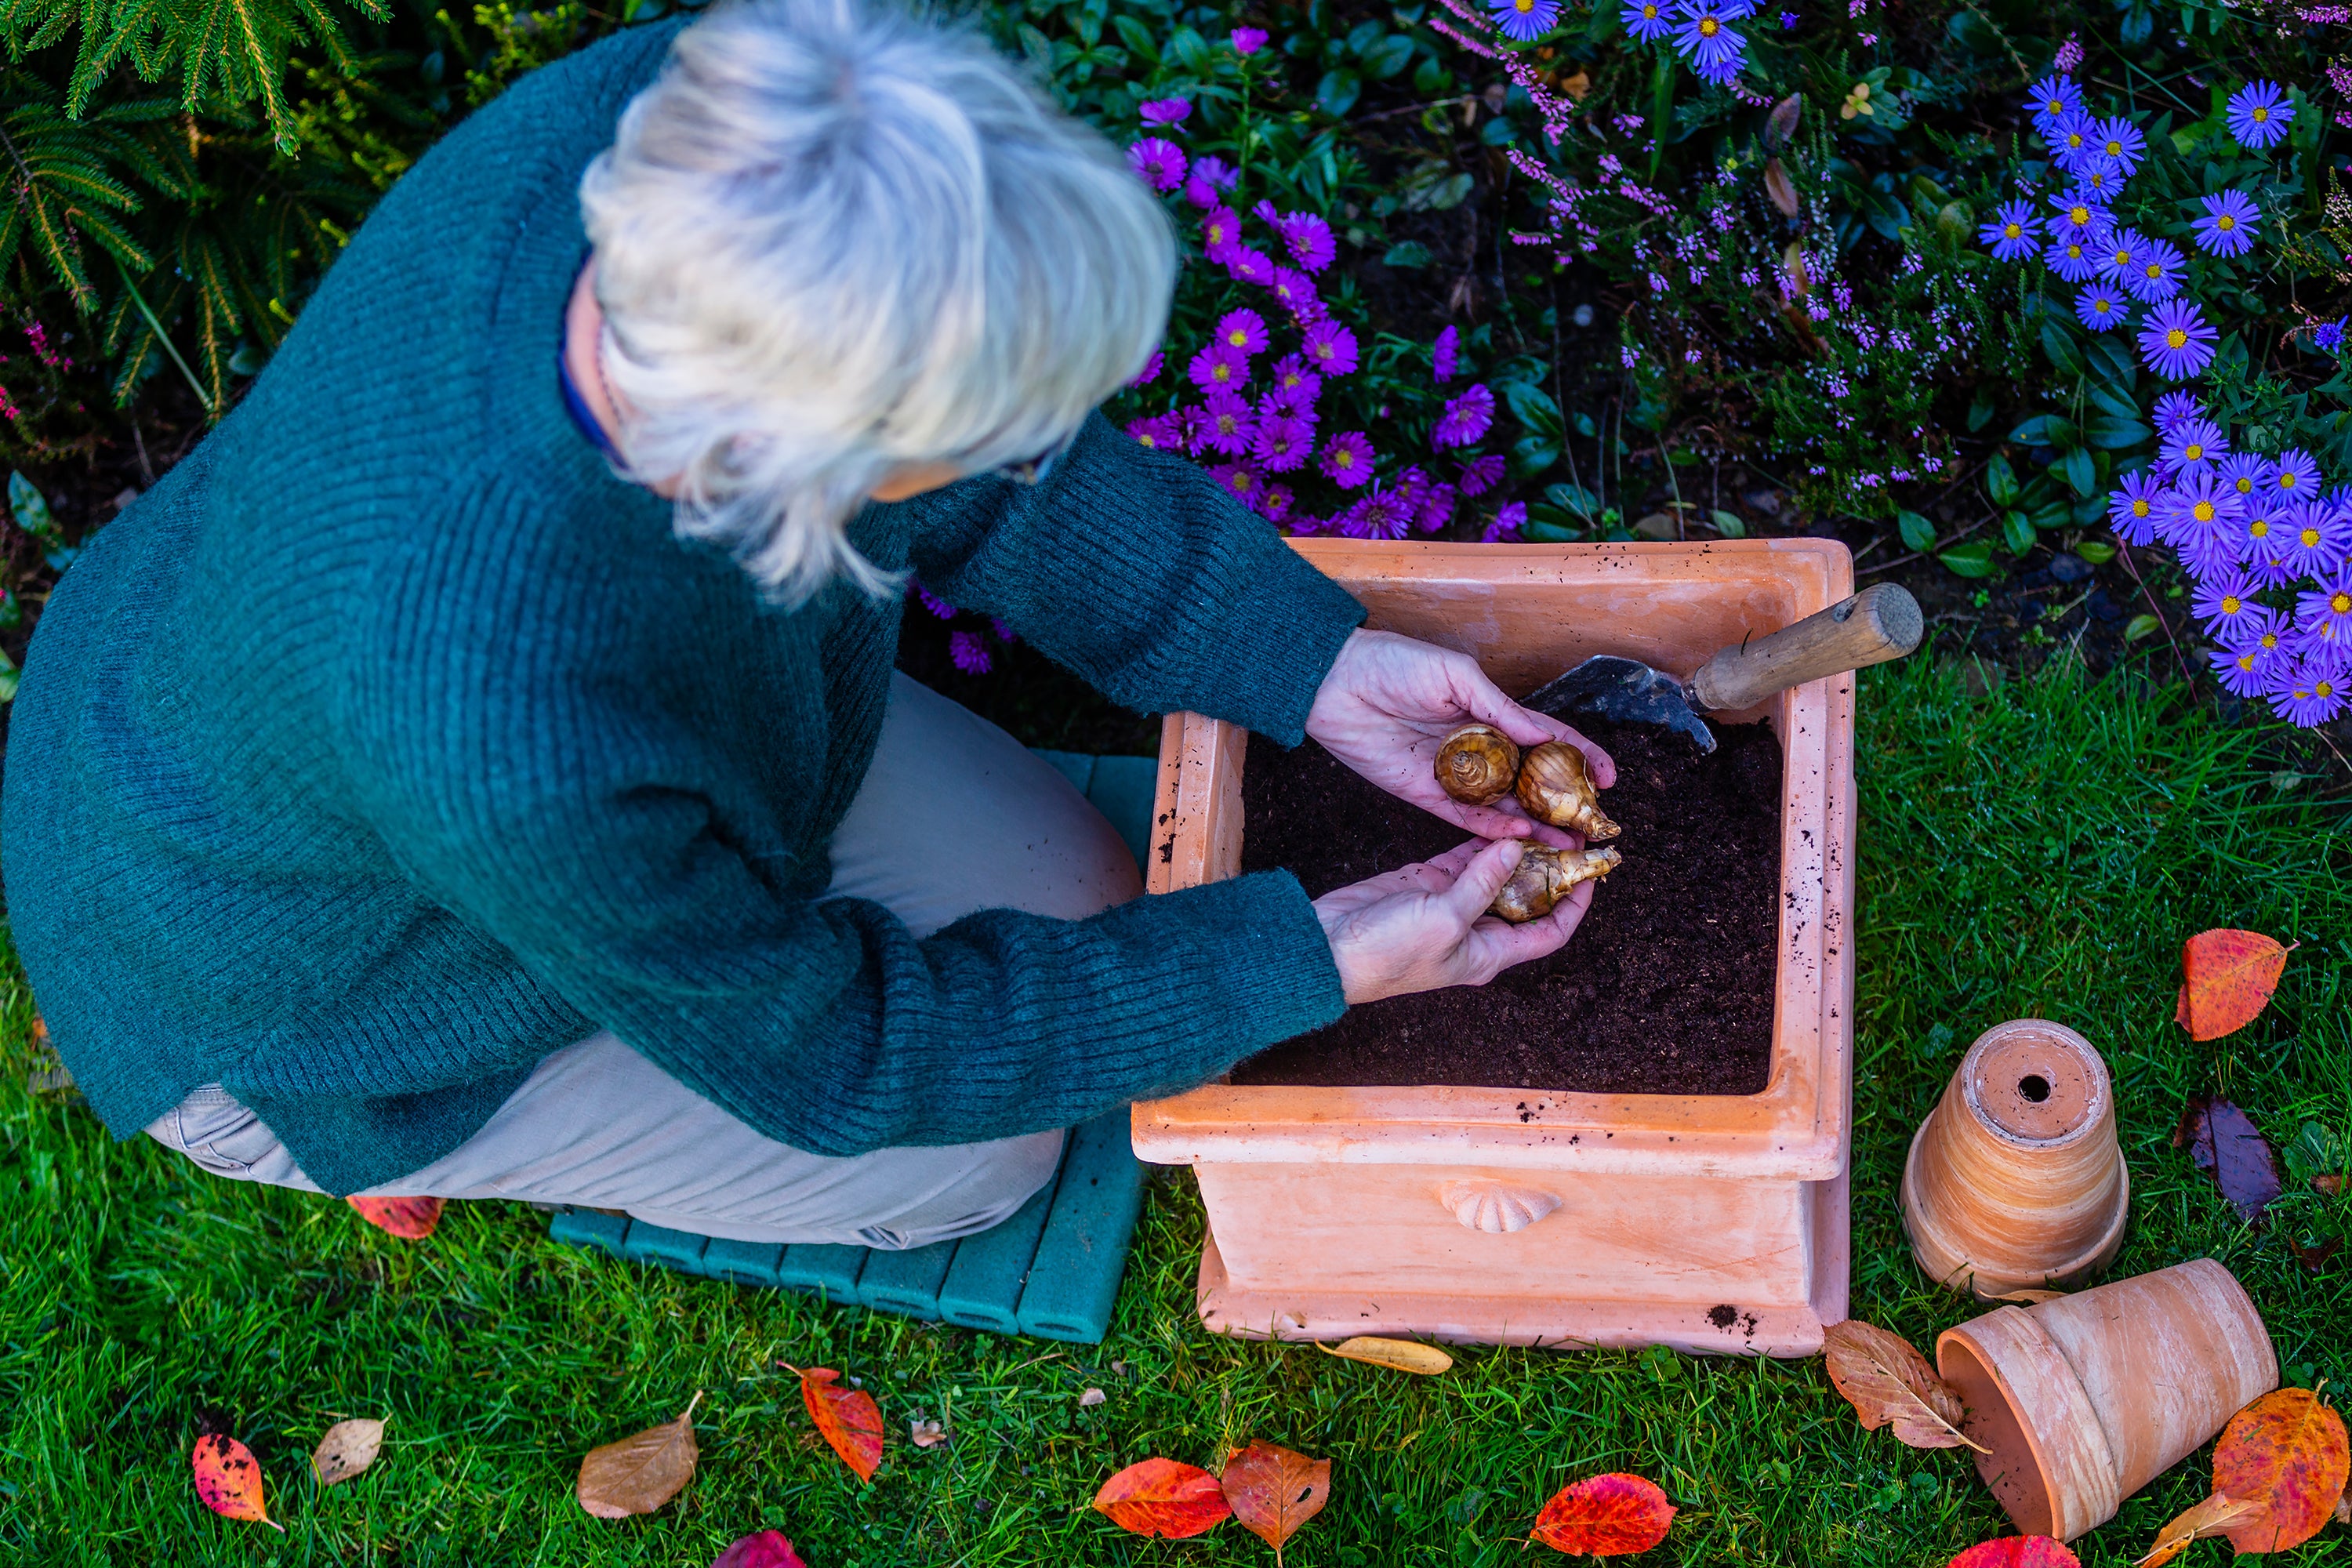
(1667, 988)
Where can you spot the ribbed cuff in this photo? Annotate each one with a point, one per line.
(1264, 957)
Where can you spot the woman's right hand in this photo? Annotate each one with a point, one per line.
(1425, 926)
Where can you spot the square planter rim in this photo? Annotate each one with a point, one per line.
(1795, 1128)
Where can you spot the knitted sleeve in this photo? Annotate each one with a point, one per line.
(1137, 571)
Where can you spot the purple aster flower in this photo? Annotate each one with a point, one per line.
(1273, 503)
(2175, 406)
(1524, 20)
(2197, 508)
(2071, 259)
(2210, 552)
(1309, 238)
(1505, 528)
(968, 651)
(933, 602)
(1242, 330)
(1707, 39)
(2119, 140)
(1245, 265)
(1296, 291)
(1150, 371)
(2068, 136)
(1157, 161)
(2329, 336)
(1219, 366)
(1239, 482)
(1162, 432)
(1247, 41)
(2326, 611)
(1210, 177)
(2054, 98)
(2259, 529)
(2306, 691)
(1285, 442)
(2223, 600)
(2157, 277)
(2313, 542)
(1296, 383)
(1165, 112)
(2100, 178)
(1330, 348)
(1480, 474)
(2258, 113)
(2133, 508)
(1347, 459)
(1646, 19)
(1232, 429)
(2193, 446)
(1445, 354)
(2228, 227)
(1383, 514)
(1221, 231)
(2079, 216)
(2119, 254)
(2177, 343)
(1436, 508)
(2100, 307)
(2294, 474)
(1192, 423)
(2241, 671)
(2241, 472)
(2009, 233)
(1465, 418)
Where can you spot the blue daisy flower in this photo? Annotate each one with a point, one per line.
(2258, 113)
(2054, 98)
(2177, 341)
(2009, 232)
(2228, 227)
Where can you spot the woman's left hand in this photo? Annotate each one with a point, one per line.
(1389, 701)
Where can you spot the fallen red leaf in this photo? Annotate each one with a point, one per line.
(411, 1219)
(2288, 1452)
(2227, 978)
(847, 1418)
(1273, 1492)
(229, 1480)
(2016, 1551)
(769, 1548)
(2223, 1140)
(1607, 1516)
(1163, 1497)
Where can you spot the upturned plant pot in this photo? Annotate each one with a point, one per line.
(2015, 1180)
(2083, 1400)
(1506, 1215)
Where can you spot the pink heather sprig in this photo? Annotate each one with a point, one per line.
(1555, 109)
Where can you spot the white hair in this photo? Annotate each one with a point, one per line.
(833, 239)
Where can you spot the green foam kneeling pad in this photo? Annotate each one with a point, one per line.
(1074, 1280)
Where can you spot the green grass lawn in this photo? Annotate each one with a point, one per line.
(2041, 849)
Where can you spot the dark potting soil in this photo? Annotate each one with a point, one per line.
(1667, 986)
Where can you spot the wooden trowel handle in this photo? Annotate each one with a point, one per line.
(1880, 623)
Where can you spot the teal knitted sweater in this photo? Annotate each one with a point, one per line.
(391, 743)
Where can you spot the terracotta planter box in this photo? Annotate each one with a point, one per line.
(1517, 1217)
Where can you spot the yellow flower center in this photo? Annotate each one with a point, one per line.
(2194, 451)
(2154, 271)
(2055, 106)
(1237, 337)
(1650, 13)
(1708, 26)
(2286, 479)
(2310, 538)
(2262, 117)
(2011, 231)
(2202, 512)
(2270, 641)
(2139, 509)
(2245, 486)
(2176, 339)
(1225, 373)
(2246, 662)
(2259, 527)
(1343, 459)
(2225, 223)
(2102, 305)
(1241, 480)
(2339, 603)
(2324, 689)
(2230, 605)
(1523, 7)
(2078, 215)
(2115, 148)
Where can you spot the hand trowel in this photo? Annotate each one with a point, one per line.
(1880, 623)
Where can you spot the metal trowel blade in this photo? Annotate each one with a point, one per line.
(1625, 689)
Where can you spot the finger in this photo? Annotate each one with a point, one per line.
(1497, 822)
(1483, 878)
(1604, 767)
(1486, 701)
(1497, 945)
(1451, 863)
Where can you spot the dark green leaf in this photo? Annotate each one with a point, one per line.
(1919, 533)
(1533, 455)
(1973, 558)
(1407, 253)
(1533, 408)
(1387, 57)
(1728, 524)
(2080, 472)
(31, 509)
(2017, 530)
(2058, 346)
(2001, 480)
(2110, 433)
(1339, 91)
(1138, 36)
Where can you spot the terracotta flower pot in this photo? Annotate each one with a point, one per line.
(2015, 1179)
(2085, 1399)
(1518, 1216)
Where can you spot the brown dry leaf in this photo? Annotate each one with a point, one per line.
(349, 1447)
(1779, 187)
(638, 1474)
(1577, 85)
(1781, 124)
(926, 1434)
(2217, 1515)
(1891, 1385)
(1273, 1492)
(2027, 1297)
(2344, 1511)
(1397, 1355)
(1792, 267)
(1092, 1397)
(2290, 1453)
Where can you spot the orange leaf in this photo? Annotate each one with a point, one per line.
(1607, 1516)
(1890, 1383)
(2227, 978)
(2016, 1551)
(847, 1418)
(411, 1219)
(229, 1480)
(1273, 1492)
(2288, 1452)
(2217, 1515)
(1162, 1497)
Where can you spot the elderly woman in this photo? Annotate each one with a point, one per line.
(477, 770)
